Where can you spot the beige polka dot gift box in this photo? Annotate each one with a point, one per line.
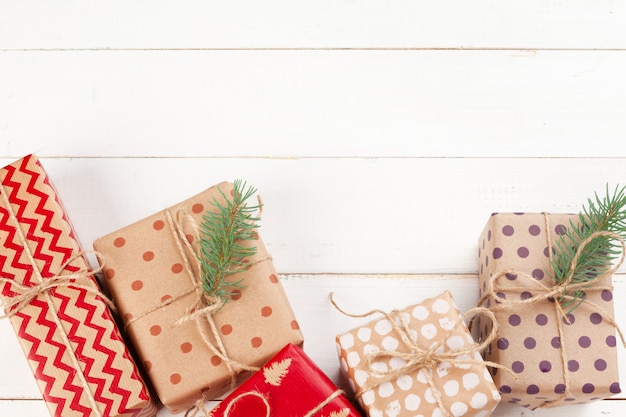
(419, 361)
(558, 354)
(188, 357)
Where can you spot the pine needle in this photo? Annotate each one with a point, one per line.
(600, 214)
(221, 233)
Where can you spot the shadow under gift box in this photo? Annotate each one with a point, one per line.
(290, 384)
(68, 335)
(146, 272)
(528, 339)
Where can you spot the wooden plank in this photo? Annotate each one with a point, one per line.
(300, 104)
(599, 408)
(320, 323)
(533, 24)
(12, 408)
(341, 215)
(609, 408)
(31, 408)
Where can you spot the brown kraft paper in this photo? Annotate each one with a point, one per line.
(148, 280)
(462, 383)
(549, 371)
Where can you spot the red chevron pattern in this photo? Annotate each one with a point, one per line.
(38, 364)
(124, 406)
(65, 312)
(17, 249)
(47, 218)
(4, 268)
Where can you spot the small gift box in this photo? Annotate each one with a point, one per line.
(64, 326)
(561, 350)
(290, 384)
(421, 360)
(193, 349)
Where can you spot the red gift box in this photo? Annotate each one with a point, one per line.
(290, 384)
(64, 326)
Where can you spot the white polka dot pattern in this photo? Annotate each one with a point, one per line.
(465, 389)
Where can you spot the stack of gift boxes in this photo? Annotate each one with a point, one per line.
(145, 335)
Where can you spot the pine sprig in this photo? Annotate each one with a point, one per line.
(221, 233)
(607, 214)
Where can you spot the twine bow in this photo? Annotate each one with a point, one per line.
(426, 360)
(203, 306)
(558, 293)
(42, 288)
(26, 293)
(200, 408)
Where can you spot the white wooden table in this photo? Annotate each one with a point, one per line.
(380, 134)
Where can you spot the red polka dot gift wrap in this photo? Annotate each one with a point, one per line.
(290, 384)
(462, 386)
(147, 271)
(557, 356)
(73, 346)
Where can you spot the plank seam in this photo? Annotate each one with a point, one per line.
(460, 48)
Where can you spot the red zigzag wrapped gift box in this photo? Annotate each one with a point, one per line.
(73, 346)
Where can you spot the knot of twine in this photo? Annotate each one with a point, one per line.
(200, 408)
(203, 306)
(424, 359)
(557, 293)
(43, 287)
(26, 293)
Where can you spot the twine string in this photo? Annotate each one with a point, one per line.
(200, 409)
(160, 305)
(204, 306)
(43, 289)
(26, 294)
(324, 403)
(427, 360)
(231, 405)
(559, 292)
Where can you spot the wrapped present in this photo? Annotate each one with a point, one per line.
(63, 323)
(561, 351)
(290, 384)
(421, 360)
(190, 350)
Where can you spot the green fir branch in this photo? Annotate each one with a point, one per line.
(222, 230)
(606, 214)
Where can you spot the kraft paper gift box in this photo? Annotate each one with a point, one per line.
(290, 384)
(68, 335)
(146, 271)
(387, 367)
(514, 256)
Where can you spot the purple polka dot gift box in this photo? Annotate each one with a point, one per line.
(418, 361)
(558, 353)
